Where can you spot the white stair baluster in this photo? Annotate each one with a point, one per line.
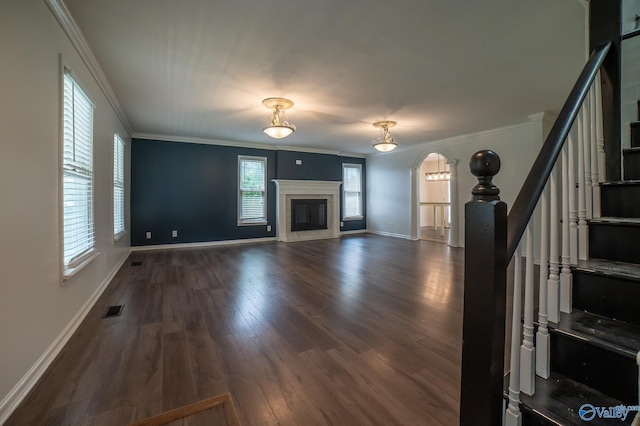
(582, 196)
(599, 130)
(565, 274)
(586, 146)
(528, 350)
(593, 147)
(513, 416)
(542, 335)
(573, 205)
(554, 245)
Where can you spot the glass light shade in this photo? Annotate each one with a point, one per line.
(383, 146)
(279, 132)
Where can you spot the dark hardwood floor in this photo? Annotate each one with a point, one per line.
(362, 330)
(430, 233)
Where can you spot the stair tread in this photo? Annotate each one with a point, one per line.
(632, 182)
(616, 336)
(558, 400)
(610, 267)
(616, 220)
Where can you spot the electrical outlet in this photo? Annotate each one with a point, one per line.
(298, 162)
(341, 224)
(174, 233)
(390, 225)
(268, 228)
(148, 235)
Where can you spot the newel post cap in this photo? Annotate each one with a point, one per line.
(485, 165)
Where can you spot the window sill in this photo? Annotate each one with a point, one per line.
(345, 219)
(262, 223)
(119, 235)
(71, 272)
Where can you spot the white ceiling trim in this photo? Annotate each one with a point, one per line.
(203, 141)
(77, 38)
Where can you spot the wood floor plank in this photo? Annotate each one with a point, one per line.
(144, 377)
(251, 402)
(361, 330)
(172, 318)
(154, 308)
(178, 386)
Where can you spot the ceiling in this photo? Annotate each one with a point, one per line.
(200, 68)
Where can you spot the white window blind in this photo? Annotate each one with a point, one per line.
(351, 191)
(77, 165)
(118, 185)
(252, 185)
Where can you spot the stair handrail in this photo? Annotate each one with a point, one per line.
(531, 190)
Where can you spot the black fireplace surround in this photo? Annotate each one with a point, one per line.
(308, 214)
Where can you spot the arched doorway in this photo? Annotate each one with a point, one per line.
(434, 214)
(435, 199)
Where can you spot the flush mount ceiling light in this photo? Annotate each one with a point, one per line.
(279, 128)
(385, 142)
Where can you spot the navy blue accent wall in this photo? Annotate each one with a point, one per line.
(354, 225)
(192, 188)
(313, 167)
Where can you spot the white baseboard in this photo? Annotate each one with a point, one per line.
(356, 231)
(203, 244)
(11, 401)
(389, 234)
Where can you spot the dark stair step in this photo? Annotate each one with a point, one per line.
(635, 134)
(597, 351)
(557, 401)
(631, 157)
(614, 239)
(607, 288)
(620, 199)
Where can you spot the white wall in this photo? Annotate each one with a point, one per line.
(35, 308)
(389, 175)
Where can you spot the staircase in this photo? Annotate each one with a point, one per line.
(575, 347)
(595, 349)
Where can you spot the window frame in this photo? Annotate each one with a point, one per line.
(360, 216)
(81, 258)
(256, 221)
(119, 148)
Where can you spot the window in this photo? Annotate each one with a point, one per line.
(351, 191)
(118, 186)
(77, 175)
(252, 199)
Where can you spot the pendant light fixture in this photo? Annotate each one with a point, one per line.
(384, 143)
(279, 128)
(439, 175)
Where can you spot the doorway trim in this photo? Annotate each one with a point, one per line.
(415, 195)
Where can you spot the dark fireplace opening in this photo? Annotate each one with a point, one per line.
(307, 215)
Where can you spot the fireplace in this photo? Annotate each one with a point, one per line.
(313, 221)
(308, 214)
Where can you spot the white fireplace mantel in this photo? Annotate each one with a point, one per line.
(288, 190)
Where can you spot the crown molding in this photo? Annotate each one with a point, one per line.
(253, 145)
(77, 38)
(547, 116)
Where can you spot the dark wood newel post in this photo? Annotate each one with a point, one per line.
(484, 297)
